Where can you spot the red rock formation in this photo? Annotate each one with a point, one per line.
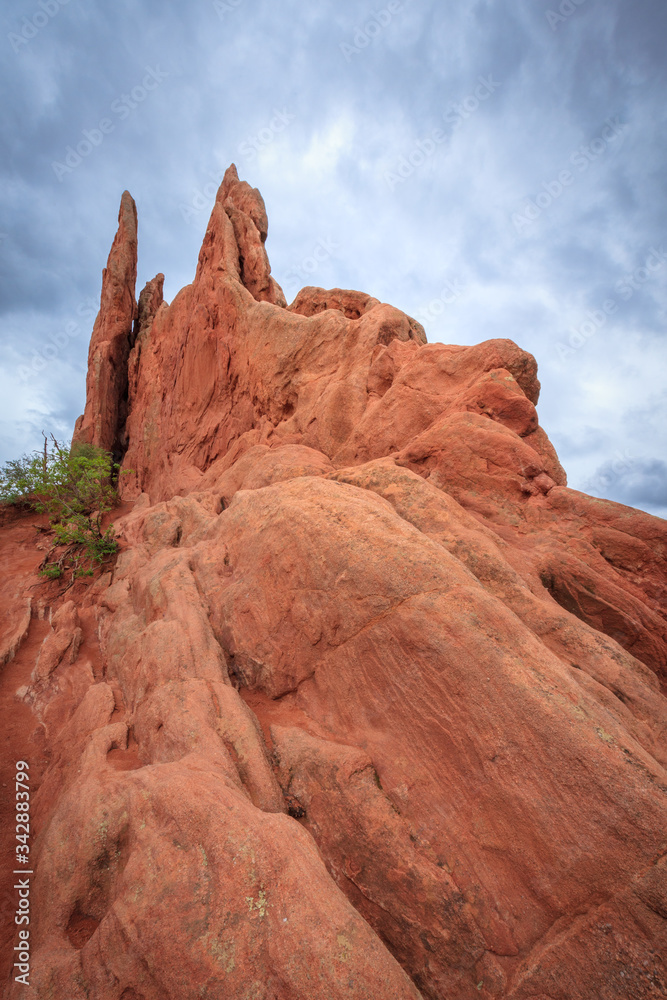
(375, 703)
(106, 384)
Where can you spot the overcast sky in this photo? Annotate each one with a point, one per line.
(495, 168)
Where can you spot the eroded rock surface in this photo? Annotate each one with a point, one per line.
(111, 341)
(373, 705)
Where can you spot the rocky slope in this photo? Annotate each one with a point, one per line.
(371, 704)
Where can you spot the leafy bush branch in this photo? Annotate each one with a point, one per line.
(75, 486)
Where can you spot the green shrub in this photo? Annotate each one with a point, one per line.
(76, 487)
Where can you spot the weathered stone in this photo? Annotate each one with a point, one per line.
(372, 704)
(111, 341)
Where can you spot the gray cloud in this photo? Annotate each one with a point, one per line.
(635, 482)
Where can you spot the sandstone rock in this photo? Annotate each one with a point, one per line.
(312, 300)
(16, 633)
(106, 384)
(66, 635)
(166, 915)
(150, 301)
(373, 854)
(371, 705)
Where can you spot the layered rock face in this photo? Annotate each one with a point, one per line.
(371, 704)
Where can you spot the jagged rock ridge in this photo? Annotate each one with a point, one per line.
(377, 708)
